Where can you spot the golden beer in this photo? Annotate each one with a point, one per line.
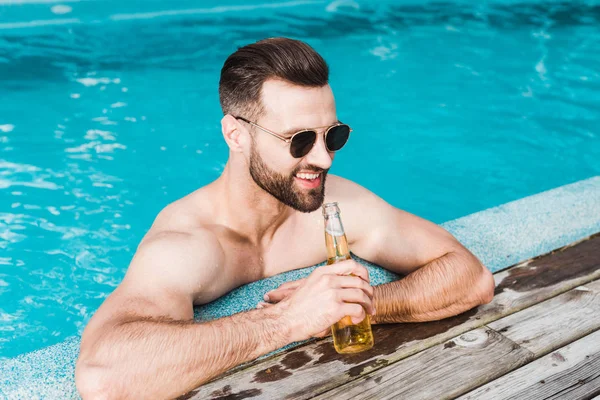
(347, 337)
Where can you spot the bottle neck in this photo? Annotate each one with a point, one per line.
(335, 239)
(333, 225)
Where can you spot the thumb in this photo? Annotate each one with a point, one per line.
(277, 295)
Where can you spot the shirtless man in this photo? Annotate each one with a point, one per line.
(262, 217)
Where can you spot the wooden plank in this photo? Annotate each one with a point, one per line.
(554, 273)
(561, 373)
(440, 372)
(540, 328)
(556, 322)
(580, 382)
(316, 368)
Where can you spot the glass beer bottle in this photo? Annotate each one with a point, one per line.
(347, 337)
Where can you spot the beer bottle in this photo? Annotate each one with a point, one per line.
(347, 337)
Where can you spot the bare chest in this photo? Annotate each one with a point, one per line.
(300, 246)
(251, 263)
(293, 248)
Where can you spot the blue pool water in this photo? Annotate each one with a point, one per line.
(109, 111)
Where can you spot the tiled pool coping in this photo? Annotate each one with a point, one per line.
(499, 236)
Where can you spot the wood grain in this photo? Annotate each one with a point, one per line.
(558, 373)
(543, 327)
(441, 372)
(554, 322)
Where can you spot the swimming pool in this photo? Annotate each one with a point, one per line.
(110, 111)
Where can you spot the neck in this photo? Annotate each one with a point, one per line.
(246, 208)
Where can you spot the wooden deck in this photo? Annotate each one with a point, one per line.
(538, 339)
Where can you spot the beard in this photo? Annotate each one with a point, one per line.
(283, 188)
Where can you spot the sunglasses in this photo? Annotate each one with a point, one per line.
(303, 141)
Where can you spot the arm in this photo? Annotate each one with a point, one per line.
(158, 358)
(438, 290)
(446, 286)
(443, 277)
(143, 342)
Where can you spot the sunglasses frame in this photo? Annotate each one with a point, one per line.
(289, 140)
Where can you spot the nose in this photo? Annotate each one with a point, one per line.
(319, 156)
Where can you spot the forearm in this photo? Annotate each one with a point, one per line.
(445, 287)
(151, 359)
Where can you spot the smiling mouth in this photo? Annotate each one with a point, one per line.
(309, 180)
(308, 176)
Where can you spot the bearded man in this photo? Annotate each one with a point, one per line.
(260, 218)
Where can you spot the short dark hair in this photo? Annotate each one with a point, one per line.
(245, 71)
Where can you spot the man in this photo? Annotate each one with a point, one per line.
(262, 217)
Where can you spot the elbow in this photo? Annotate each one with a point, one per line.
(91, 381)
(481, 280)
(485, 286)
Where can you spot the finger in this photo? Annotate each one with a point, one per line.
(357, 296)
(348, 267)
(285, 286)
(278, 294)
(355, 311)
(353, 282)
(292, 284)
(262, 304)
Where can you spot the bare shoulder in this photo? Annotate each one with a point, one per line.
(186, 215)
(179, 247)
(353, 199)
(342, 189)
(371, 224)
(166, 274)
(186, 265)
(182, 258)
(360, 208)
(178, 262)
(364, 212)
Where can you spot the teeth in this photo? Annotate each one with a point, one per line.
(307, 176)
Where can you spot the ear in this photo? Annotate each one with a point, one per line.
(234, 133)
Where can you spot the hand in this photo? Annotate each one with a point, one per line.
(329, 294)
(283, 291)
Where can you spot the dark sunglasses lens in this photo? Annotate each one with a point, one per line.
(337, 137)
(302, 143)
